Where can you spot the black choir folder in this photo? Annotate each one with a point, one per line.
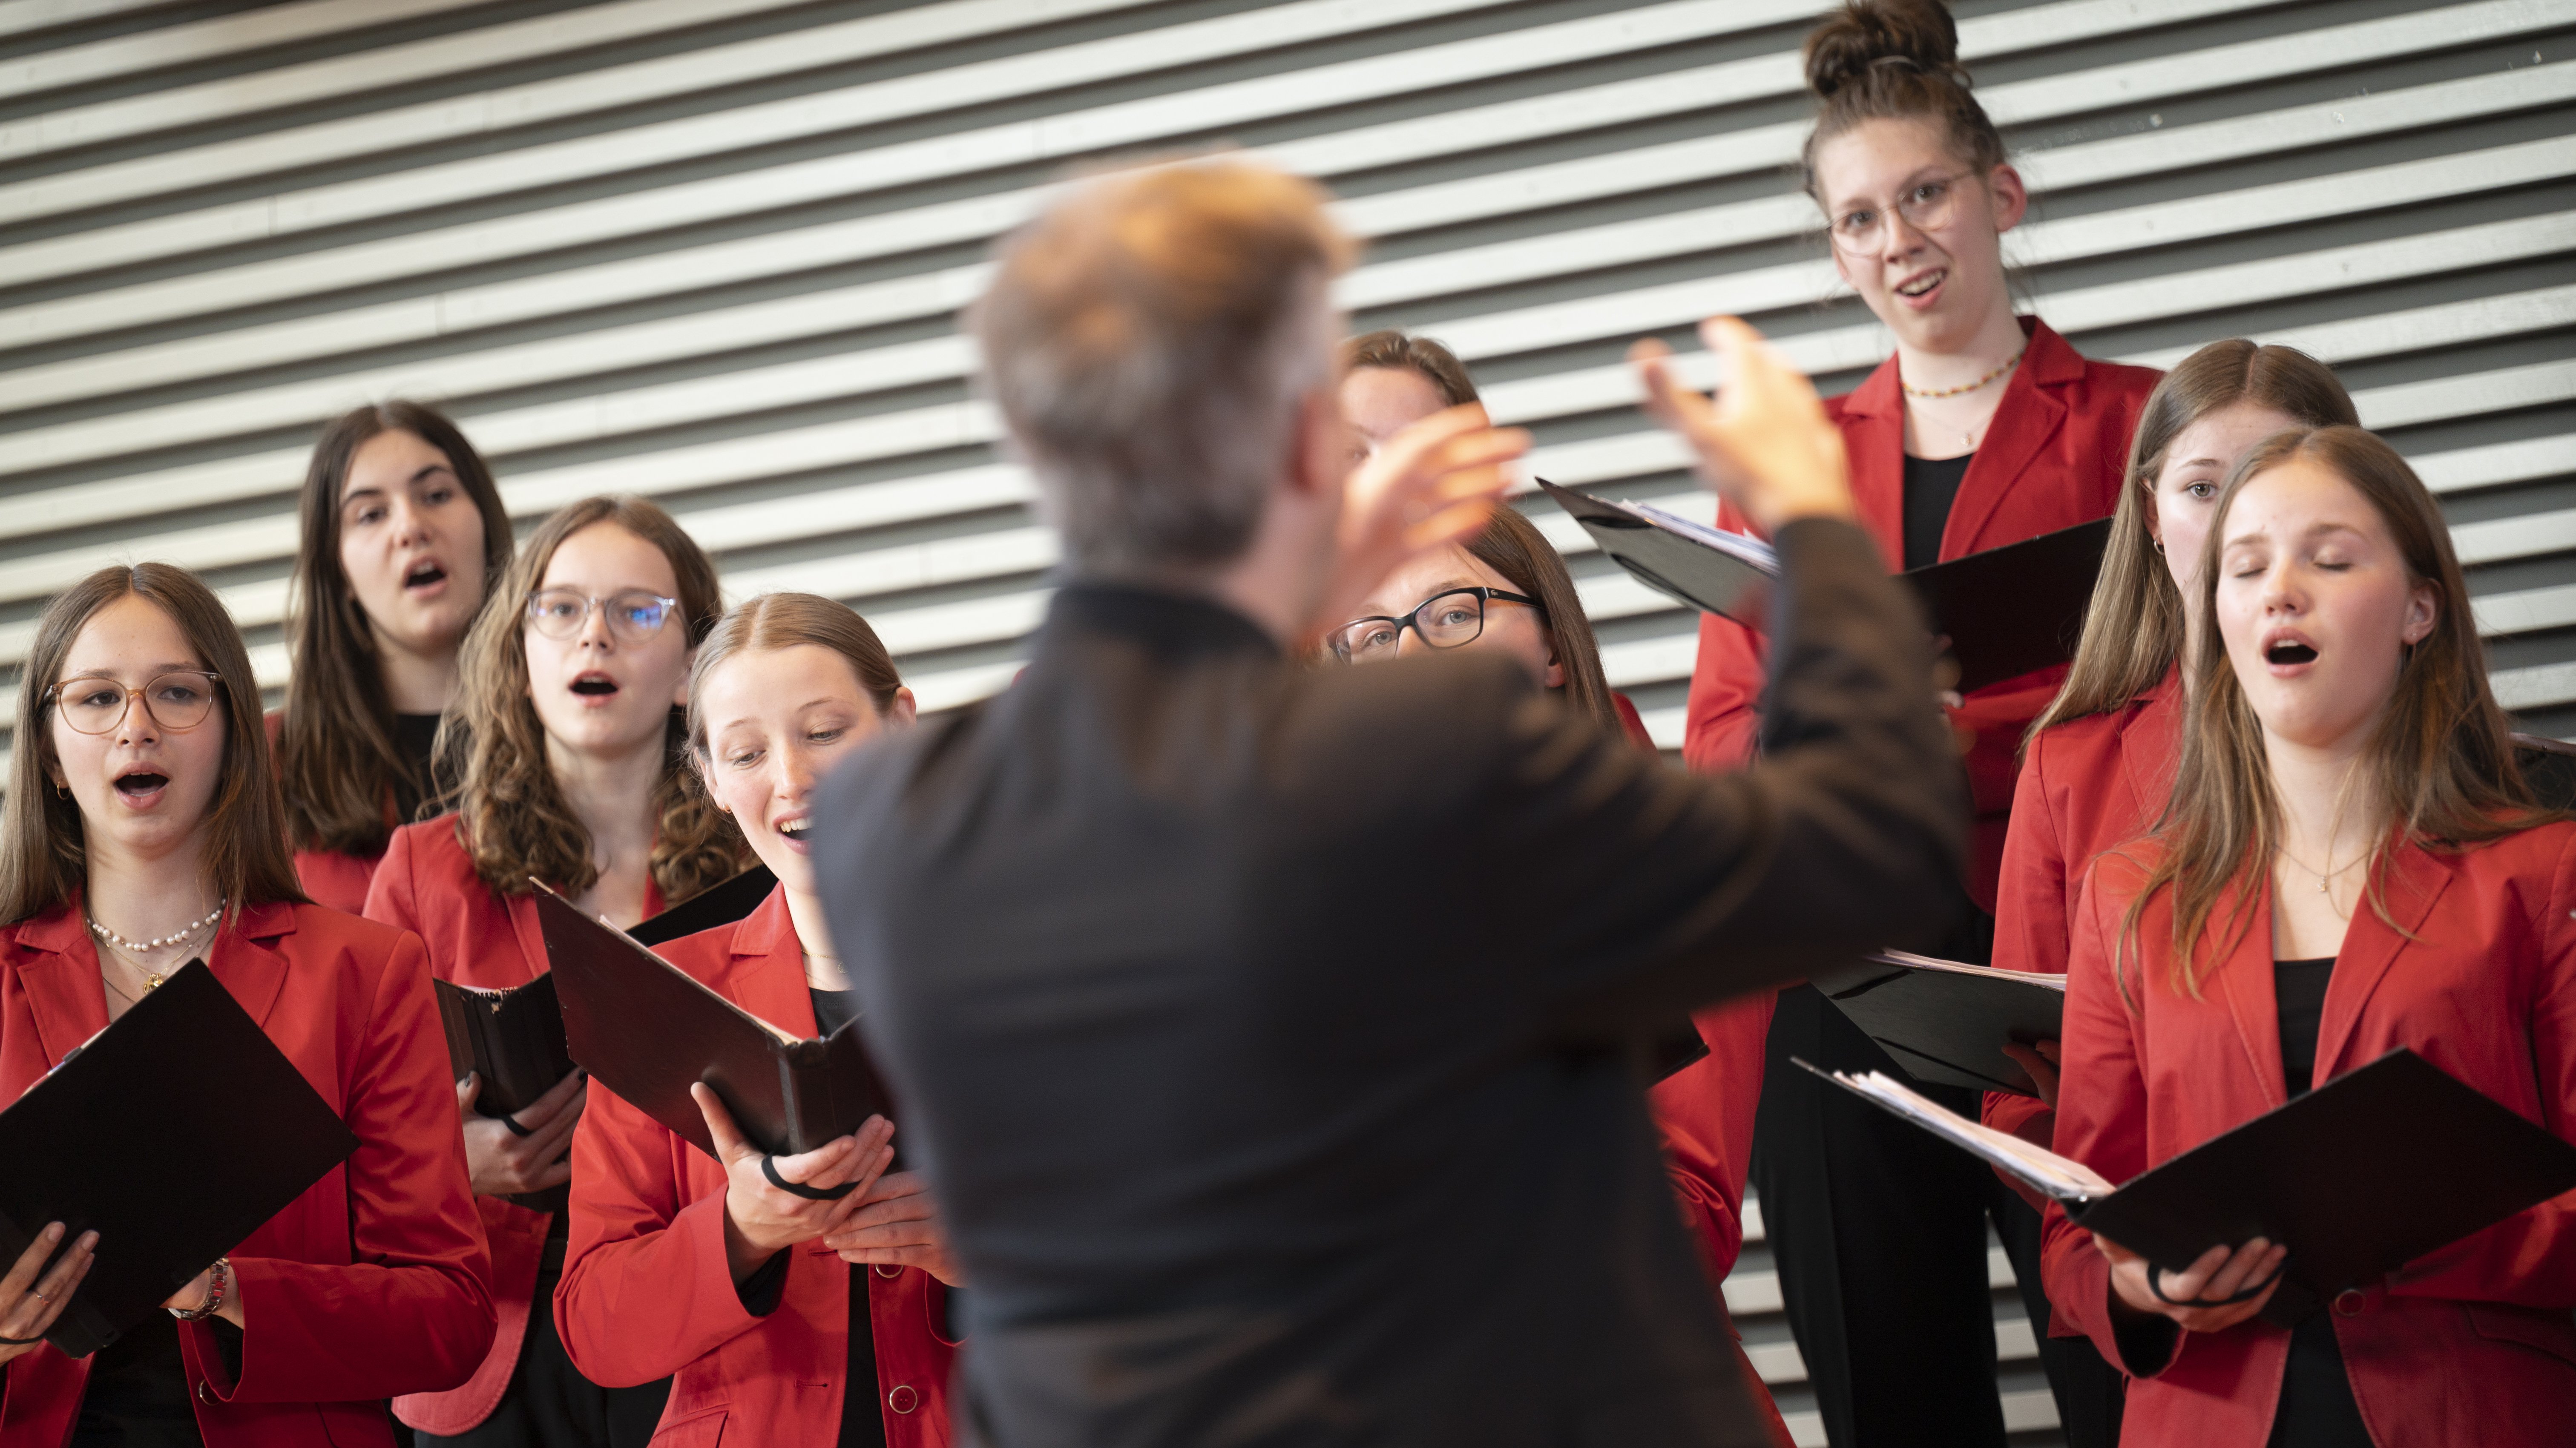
(2364, 1174)
(174, 1133)
(650, 1031)
(2005, 611)
(514, 1038)
(1945, 1022)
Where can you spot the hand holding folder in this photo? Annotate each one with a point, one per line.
(2312, 1176)
(141, 1092)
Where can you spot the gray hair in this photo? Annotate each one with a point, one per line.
(1149, 340)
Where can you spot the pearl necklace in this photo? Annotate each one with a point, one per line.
(152, 979)
(1913, 391)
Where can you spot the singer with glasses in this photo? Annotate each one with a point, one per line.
(142, 834)
(568, 748)
(401, 539)
(2351, 862)
(1984, 428)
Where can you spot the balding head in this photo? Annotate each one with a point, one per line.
(1151, 339)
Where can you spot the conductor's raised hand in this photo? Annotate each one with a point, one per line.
(1765, 442)
(505, 1162)
(1431, 485)
(761, 1219)
(28, 1305)
(2221, 1289)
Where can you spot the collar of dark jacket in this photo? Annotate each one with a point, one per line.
(1161, 619)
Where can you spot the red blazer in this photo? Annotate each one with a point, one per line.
(374, 1282)
(2471, 1344)
(646, 1290)
(2053, 457)
(2086, 785)
(426, 884)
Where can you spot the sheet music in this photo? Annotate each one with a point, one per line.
(1956, 967)
(2047, 1173)
(1735, 545)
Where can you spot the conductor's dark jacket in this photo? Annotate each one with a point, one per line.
(1266, 1032)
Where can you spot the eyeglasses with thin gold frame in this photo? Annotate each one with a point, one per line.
(95, 704)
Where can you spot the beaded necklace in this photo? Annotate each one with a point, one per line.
(1913, 391)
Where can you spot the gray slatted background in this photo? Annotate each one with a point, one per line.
(710, 250)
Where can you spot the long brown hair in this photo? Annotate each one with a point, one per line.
(1512, 546)
(785, 620)
(2133, 628)
(343, 780)
(509, 813)
(2440, 771)
(43, 858)
(1895, 60)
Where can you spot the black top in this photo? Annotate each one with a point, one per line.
(2299, 994)
(413, 736)
(1931, 487)
(137, 1394)
(862, 1426)
(1266, 1031)
(2317, 1408)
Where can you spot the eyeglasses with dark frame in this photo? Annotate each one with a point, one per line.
(633, 614)
(1445, 620)
(1926, 206)
(177, 701)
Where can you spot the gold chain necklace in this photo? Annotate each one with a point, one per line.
(1911, 390)
(2324, 877)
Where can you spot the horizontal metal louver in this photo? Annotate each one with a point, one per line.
(711, 251)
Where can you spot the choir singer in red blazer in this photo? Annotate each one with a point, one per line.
(782, 1319)
(573, 772)
(2099, 763)
(2351, 864)
(143, 833)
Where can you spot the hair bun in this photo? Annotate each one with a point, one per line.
(1863, 34)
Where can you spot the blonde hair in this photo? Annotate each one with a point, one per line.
(1149, 340)
(2133, 628)
(2441, 768)
(785, 620)
(509, 813)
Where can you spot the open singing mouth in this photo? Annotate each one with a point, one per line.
(137, 782)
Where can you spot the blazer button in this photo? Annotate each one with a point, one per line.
(903, 1399)
(2350, 1302)
(888, 1269)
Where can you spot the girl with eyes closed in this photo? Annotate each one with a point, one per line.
(2350, 863)
(1985, 428)
(567, 742)
(848, 1269)
(142, 834)
(402, 538)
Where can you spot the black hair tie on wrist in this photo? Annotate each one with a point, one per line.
(6, 1341)
(2155, 1284)
(769, 1169)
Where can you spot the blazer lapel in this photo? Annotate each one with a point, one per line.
(246, 959)
(2245, 977)
(64, 992)
(2025, 421)
(768, 977)
(2149, 742)
(1873, 426)
(2414, 879)
(531, 935)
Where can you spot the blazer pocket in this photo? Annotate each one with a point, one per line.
(698, 1430)
(2553, 1333)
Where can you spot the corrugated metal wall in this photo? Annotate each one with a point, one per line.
(711, 250)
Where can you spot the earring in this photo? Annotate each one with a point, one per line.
(2160, 546)
(62, 791)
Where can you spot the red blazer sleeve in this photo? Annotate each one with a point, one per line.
(2030, 929)
(2528, 1259)
(1705, 1111)
(391, 896)
(2101, 1122)
(646, 1287)
(412, 1306)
